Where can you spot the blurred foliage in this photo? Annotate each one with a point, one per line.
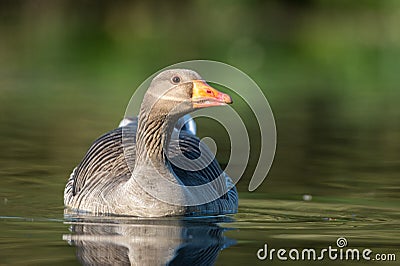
(328, 68)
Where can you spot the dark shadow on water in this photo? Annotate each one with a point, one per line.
(133, 241)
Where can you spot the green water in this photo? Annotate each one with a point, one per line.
(350, 198)
(328, 69)
(279, 223)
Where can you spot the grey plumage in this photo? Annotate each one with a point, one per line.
(111, 177)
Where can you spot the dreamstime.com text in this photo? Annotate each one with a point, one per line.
(340, 252)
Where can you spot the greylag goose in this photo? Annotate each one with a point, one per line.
(136, 169)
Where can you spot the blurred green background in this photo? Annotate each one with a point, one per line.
(329, 69)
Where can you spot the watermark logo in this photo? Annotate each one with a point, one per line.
(341, 242)
(234, 82)
(338, 252)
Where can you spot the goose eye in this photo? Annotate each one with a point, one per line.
(176, 79)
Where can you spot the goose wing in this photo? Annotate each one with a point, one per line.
(205, 169)
(106, 155)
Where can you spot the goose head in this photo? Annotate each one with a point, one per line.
(176, 92)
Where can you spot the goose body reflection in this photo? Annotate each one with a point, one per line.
(148, 241)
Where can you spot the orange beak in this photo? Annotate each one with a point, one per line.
(205, 96)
